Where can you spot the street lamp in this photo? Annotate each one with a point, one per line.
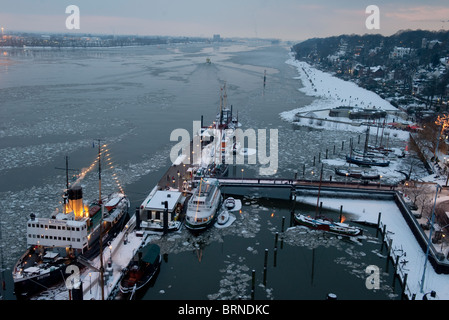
(430, 237)
(442, 121)
(242, 175)
(90, 277)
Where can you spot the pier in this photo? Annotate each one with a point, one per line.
(308, 187)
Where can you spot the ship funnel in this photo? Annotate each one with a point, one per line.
(76, 201)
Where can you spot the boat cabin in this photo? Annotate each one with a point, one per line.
(152, 208)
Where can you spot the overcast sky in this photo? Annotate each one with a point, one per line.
(282, 19)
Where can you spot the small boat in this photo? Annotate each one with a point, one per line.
(327, 225)
(357, 173)
(365, 161)
(203, 205)
(369, 154)
(223, 217)
(141, 269)
(230, 203)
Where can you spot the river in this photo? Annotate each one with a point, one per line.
(58, 102)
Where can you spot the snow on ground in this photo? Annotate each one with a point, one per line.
(333, 92)
(403, 239)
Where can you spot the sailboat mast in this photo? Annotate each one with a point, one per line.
(67, 171)
(365, 150)
(221, 108)
(99, 171)
(319, 191)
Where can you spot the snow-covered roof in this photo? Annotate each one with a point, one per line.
(157, 202)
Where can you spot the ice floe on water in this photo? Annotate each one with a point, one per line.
(235, 281)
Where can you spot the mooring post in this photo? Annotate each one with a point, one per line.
(265, 259)
(390, 244)
(341, 211)
(265, 268)
(283, 222)
(383, 237)
(253, 284)
(378, 223)
(396, 267)
(404, 285)
(276, 239)
(275, 256)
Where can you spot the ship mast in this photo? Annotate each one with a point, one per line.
(319, 191)
(101, 222)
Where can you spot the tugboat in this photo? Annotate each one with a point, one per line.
(338, 228)
(203, 205)
(68, 237)
(141, 269)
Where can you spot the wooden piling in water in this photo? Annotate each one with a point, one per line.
(283, 223)
(378, 223)
(390, 244)
(383, 237)
(396, 267)
(404, 285)
(275, 256)
(253, 284)
(265, 268)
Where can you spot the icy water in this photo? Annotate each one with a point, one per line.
(57, 103)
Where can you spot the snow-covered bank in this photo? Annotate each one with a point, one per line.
(332, 92)
(403, 239)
